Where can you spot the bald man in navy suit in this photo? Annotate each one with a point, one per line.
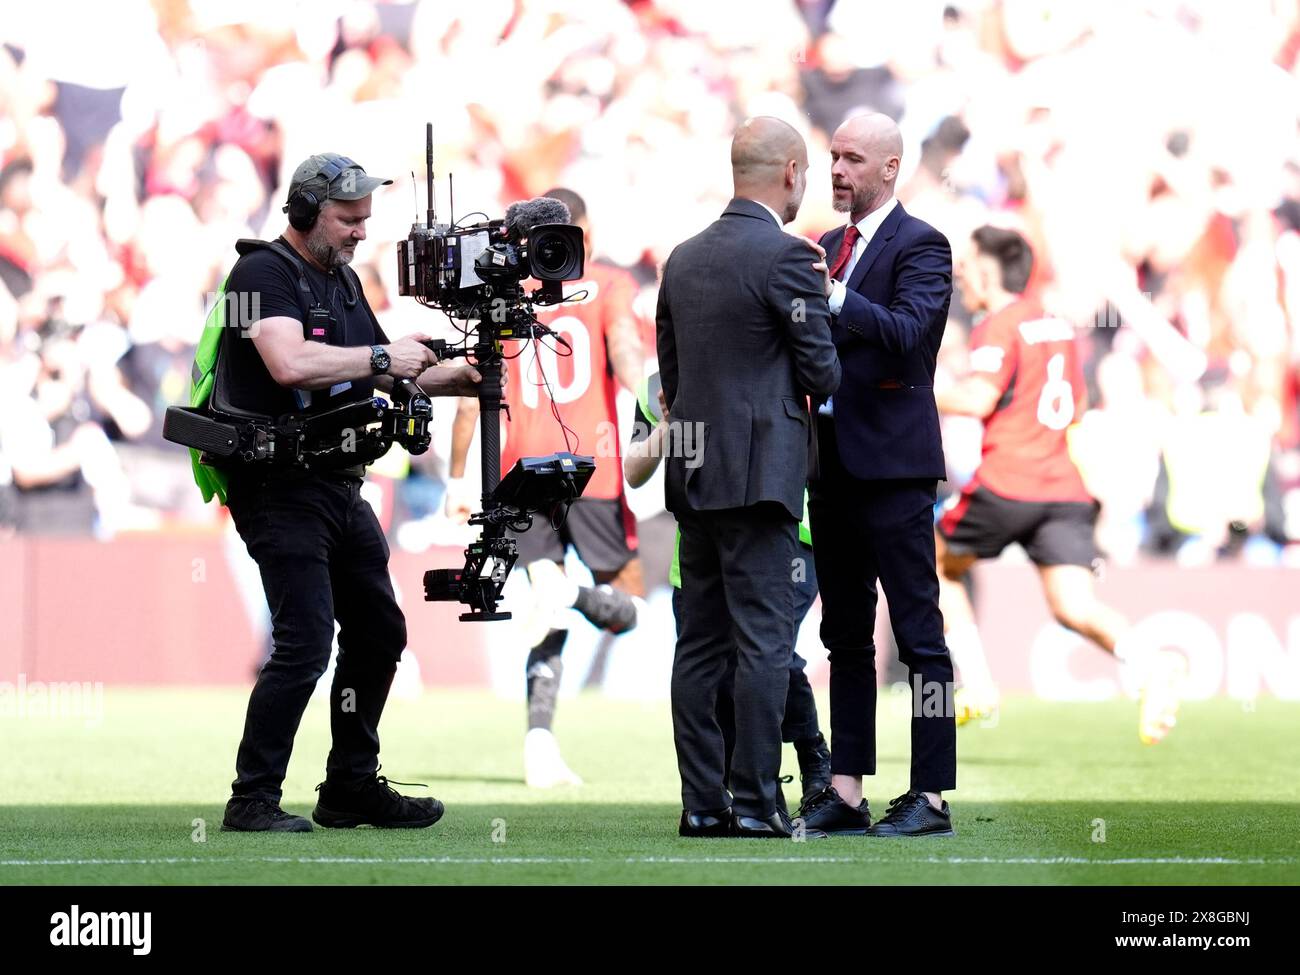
(879, 457)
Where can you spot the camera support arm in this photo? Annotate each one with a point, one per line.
(468, 585)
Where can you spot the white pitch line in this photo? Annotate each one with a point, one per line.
(468, 861)
(1116, 861)
(167, 861)
(962, 861)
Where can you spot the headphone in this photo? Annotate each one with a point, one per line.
(304, 205)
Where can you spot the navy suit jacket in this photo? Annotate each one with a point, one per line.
(743, 334)
(888, 334)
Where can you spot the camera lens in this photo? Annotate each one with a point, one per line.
(555, 252)
(551, 255)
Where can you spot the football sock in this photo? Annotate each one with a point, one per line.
(543, 670)
(606, 608)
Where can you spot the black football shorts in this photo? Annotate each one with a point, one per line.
(982, 524)
(597, 527)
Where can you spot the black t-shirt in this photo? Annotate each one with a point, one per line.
(263, 284)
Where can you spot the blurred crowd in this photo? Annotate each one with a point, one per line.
(1149, 151)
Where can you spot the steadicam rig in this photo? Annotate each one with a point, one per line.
(349, 435)
(474, 274)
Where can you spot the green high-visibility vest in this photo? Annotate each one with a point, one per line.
(203, 377)
(212, 481)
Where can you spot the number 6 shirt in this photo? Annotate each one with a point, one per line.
(1035, 362)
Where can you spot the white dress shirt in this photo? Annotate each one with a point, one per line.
(779, 221)
(867, 228)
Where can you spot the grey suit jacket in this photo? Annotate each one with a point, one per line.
(743, 335)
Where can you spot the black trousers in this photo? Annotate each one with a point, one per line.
(323, 557)
(864, 532)
(737, 602)
(800, 719)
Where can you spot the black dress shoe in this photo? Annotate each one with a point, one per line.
(710, 822)
(774, 827)
(814, 765)
(827, 812)
(912, 815)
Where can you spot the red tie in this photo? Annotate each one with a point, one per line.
(851, 236)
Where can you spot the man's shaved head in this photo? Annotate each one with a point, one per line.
(873, 130)
(762, 146)
(768, 163)
(865, 154)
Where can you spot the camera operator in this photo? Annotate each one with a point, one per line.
(315, 345)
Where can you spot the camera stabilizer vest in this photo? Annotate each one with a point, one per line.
(217, 432)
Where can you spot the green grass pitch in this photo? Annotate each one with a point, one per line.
(1053, 794)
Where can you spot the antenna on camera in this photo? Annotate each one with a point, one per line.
(428, 168)
(451, 199)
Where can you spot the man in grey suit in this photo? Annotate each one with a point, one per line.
(743, 339)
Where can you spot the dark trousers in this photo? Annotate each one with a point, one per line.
(737, 603)
(800, 719)
(323, 557)
(881, 530)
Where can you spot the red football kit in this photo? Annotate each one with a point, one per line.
(1035, 362)
(581, 386)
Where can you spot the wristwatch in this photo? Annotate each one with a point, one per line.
(379, 360)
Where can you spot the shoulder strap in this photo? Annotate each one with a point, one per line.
(220, 398)
(358, 294)
(246, 245)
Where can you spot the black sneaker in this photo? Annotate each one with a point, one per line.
(828, 812)
(374, 803)
(912, 815)
(249, 814)
(814, 765)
